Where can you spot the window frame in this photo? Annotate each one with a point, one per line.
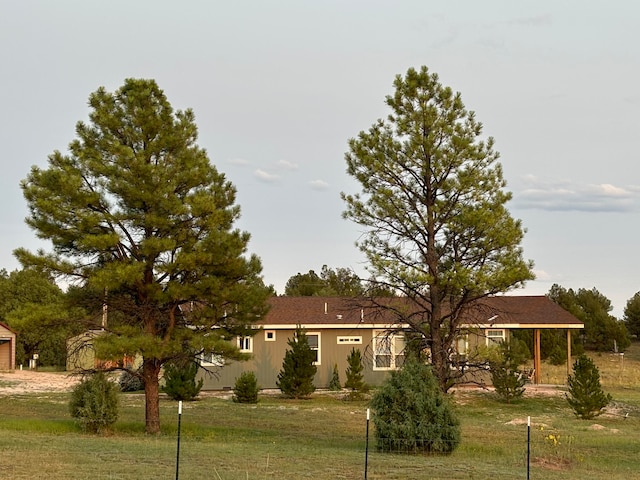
(349, 340)
(395, 353)
(462, 340)
(245, 343)
(495, 340)
(317, 349)
(211, 359)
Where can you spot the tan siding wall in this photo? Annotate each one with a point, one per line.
(267, 357)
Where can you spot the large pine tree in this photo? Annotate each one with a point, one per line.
(433, 203)
(139, 218)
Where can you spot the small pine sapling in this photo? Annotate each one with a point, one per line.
(94, 403)
(246, 388)
(180, 381)
(586, 396)
(355, 382)
(131, 381)
(508, 380)
(334, 384)
(295, 379)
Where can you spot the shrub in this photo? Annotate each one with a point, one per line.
(506, 377)
(508, 382)
(411, 414)
(295, 379)
(94, 403)
(180, 380)
(586, 396)
(130, 382)
(246, 388)
(558, 355)
(355, 381)
(334, 384)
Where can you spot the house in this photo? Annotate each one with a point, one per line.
(336, 325)
(81, 354)
(7, 348)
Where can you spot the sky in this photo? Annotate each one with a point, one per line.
(279, 87)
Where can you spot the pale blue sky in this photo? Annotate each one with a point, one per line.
(279, 87)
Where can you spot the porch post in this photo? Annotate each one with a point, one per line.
(536, 356)
(568, 352)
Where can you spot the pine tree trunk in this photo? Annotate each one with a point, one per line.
(151, 374)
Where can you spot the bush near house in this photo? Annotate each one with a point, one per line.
(130, 382)
(180, 381)
(411, 414)
(246, 388)
(506, 376)
(94, 403)
(295, 380)
(334, 383)
(355, 378)
(586, 396)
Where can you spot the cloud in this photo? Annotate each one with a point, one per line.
(541, 275)
(266, 176)
(319, 185)
(239, 161)
(541, 194)
(286, 165)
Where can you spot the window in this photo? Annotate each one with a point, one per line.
(245, 344)
(211, 360)
(349, 340)
(314, 343)
(462, 345)
(388, 351)
(494, 337)
(269, 335)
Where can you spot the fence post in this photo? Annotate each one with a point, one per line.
(366, 448)
(528, 445)
(178, 449)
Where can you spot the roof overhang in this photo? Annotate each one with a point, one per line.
(524, 326)
(332, 326)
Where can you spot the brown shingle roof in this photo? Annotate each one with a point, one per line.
(496, 312)
(529, 312)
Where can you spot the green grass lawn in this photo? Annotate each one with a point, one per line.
(323, 438)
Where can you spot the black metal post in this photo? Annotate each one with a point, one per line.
(528, 445)
(366, 448)
(178, 449)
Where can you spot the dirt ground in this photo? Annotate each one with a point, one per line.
(30, 381)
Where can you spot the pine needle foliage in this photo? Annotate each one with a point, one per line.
(246, 388)
(411, 413)
(131, 381)
(433, 206)
(295, 380)
(334, 384)
(506, 376)
(94, 403)
(586, 396)
(141, 221)
(180, 381)
(355, 378)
